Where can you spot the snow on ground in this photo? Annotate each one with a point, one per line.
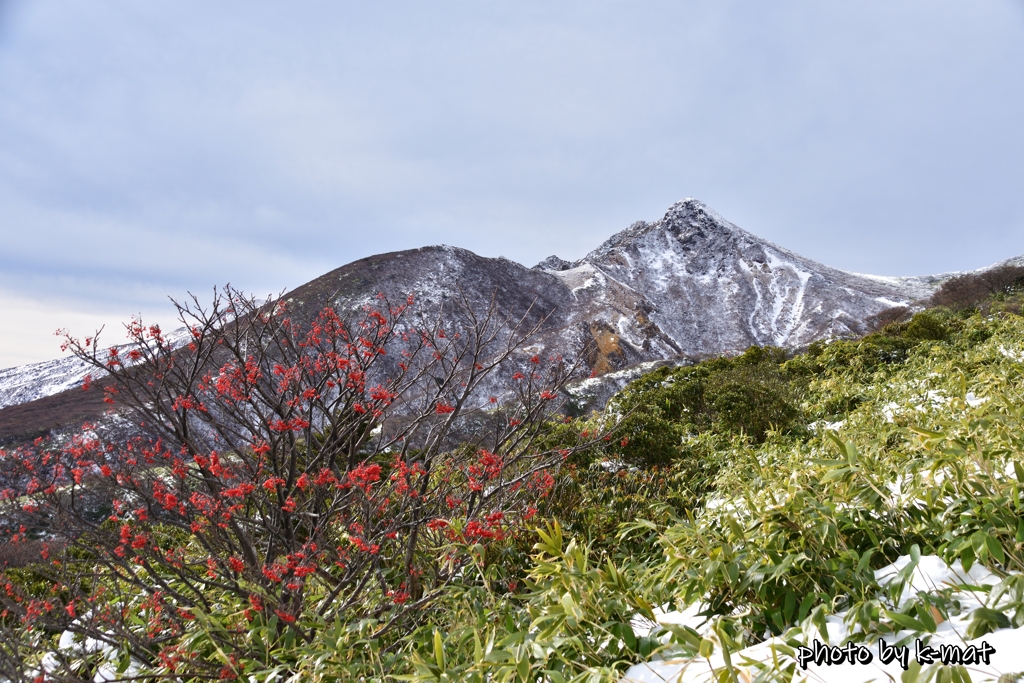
(624, 376)
(32, 382)
(73, 648)
(1005, 646)
(38, 380)
(1012, 354)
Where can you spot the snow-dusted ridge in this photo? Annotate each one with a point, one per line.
(708, 287)
(685, 287)
(38, 380)
(34, 381)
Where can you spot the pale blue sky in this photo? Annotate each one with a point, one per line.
(149, 148)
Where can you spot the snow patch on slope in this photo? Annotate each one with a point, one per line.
(39, 380)
(969, 589)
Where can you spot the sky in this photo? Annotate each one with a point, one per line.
(152, 149)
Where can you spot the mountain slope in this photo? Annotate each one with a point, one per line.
(699, 285)
(685, 287)
(35, 381)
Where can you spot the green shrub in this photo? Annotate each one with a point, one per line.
(752, 399)
(591, 503)
(767, 489)
(751, 394)
(926, 326)
(797, 524)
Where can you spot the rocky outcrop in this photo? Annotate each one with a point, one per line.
(692, 284)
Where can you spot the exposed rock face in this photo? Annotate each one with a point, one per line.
(693, 284)
(688, 286)
(553, 263)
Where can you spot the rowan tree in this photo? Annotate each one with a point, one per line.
(309, 472)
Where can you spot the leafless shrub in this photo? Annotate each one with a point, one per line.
(973, 289)
(896, 314)
(18, 555)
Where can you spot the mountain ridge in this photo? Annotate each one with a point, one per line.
(703, 279)
(684, 287)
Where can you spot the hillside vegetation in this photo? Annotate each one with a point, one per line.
(760, 492)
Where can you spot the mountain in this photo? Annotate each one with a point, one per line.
(685, 287)
(35, 381)
(692, 284)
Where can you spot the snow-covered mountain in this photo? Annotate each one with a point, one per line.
(38, 380)
(685, 287)
(34, 381)
(692, 284)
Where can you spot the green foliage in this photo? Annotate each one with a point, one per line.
(592, 502)
(751, 394)
(926, 326)
(920, 461)
(786, 529)
(752, 399)
(573, 624)
(765, 490)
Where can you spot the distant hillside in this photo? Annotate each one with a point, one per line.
(688, 286)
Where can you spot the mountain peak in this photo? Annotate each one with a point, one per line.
(691, 209)
(686, 286)
(690, 221)
(553, 262)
